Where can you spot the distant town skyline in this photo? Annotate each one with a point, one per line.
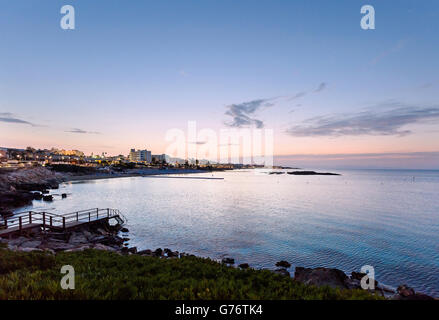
(334, 95)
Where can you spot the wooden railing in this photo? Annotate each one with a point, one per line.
(53, 220)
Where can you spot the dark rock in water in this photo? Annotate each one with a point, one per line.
(124, 230)
(132, 250)
(228, 260)
(48, 198)
(407, 293)
(158, 252)
(244, 266)
(64, 195)
(126, 239)
(283, 264)
(282, 272)
(313, 173)
(45, 191)
(172, 254)
(37, 195)
(146, 252)
(322, 277)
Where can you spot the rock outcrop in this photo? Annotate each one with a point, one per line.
(17, 187)
(322, 277)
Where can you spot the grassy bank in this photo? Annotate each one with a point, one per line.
(105, 275)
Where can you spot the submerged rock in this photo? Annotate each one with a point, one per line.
(37, 196)
(283, 264)
(407, 293)
(228, 260)
(244, 266)
(48, 198)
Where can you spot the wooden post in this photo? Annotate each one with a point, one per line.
(44, 221)
(6, 222)
(89, 216)
(50, 219)
(64, 223)
(20, 223)
(30, 217)
(108, 212)
(97, 213)
(77, 216)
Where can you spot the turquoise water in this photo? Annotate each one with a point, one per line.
(383, 218)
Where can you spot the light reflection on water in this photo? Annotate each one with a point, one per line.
(381, 218)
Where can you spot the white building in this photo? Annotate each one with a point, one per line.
(140, 156)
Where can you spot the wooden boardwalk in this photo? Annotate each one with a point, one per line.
(31, 220)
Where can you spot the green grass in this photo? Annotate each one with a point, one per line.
(106, 275)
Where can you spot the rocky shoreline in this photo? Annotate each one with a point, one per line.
(18, 188)
(114, 238)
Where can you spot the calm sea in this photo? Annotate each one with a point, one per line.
(388, 219)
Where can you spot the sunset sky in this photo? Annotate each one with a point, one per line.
(333, 93)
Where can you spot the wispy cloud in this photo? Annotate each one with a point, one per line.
(9, 117)
(297, 96)
(384, 119)
(243, 113)
(396, 48)
(76, 130)
(321, 87)
(426, 85)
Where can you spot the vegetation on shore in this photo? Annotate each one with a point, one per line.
(108, 275)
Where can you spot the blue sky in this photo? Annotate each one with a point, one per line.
(132, 70)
